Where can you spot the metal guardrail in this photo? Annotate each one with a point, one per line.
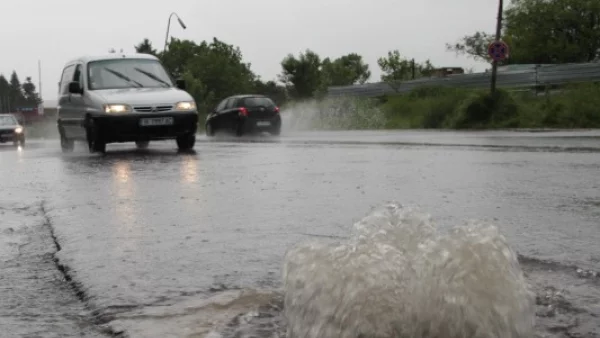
(534, 76)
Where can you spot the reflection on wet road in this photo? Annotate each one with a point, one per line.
(154, 229)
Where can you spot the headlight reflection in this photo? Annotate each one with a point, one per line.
(189, 170)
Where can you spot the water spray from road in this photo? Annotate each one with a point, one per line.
(341, 113)
(44, 129)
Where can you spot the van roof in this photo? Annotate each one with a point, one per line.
(112, 56)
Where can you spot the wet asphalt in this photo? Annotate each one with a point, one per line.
(92, 238)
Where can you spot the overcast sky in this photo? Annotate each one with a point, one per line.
(54, 31)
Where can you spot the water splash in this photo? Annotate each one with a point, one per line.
(333, 114)
(397, 277)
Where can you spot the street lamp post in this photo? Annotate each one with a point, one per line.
(169, 26)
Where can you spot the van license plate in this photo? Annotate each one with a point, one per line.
(156, 121)
(263, 123)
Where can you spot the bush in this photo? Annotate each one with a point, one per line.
(426, 107)
(483, 109)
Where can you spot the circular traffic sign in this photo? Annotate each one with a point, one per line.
(498, 50)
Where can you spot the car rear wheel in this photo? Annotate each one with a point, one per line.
(276, 131)
(210, 131)
(94, 138)
(142, 144)
(186, 142)
(239, 129)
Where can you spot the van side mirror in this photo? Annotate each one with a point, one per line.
(180, 84)
(75, 88)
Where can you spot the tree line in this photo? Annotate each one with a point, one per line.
(541, 32)
(215, 69)
(538, 31)
(15, 95)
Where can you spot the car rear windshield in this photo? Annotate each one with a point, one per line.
(8, 121)
(251, 102)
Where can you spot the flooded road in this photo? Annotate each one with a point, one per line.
(161, 244)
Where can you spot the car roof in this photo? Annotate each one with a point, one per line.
(111, 56)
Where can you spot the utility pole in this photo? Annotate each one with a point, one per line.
(40, 79)
(498, 36)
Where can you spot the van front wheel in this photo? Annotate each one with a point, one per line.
(186, 142)
(142, 144)
(66, 144)
(94, 138)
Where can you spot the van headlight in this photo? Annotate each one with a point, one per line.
(19, 130)
(185, 106)
(116, 108)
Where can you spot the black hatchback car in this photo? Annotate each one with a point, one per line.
(11, 130)
(240, 114)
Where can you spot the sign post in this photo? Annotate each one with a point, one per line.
(497, 47)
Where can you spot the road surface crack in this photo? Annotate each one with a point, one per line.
(97, 318)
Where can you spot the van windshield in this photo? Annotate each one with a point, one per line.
(127, 73)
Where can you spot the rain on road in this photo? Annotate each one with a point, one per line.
(156, 243)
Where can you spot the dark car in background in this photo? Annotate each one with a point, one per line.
(241, 114)
(11, 130)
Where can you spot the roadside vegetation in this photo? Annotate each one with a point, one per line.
(575, 106)
(538, 32)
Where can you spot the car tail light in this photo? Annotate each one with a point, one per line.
(276, 109)
(243, 111)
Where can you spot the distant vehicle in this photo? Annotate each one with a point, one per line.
(240, 114)
(123, 98)
(11, 130)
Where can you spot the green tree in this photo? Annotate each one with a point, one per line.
(303, 73)
(145, 47)
(212, 70)
(30, 95)
(346, 70)
(15, 92)
(277, 92)
(4, 88)
(474, 46)
(425, 69)
(396, 69)
(543, 31)
(177, 56)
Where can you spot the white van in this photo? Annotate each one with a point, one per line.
(123, 98)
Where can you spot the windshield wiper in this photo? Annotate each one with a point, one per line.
(153, 77)
(122, 76)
